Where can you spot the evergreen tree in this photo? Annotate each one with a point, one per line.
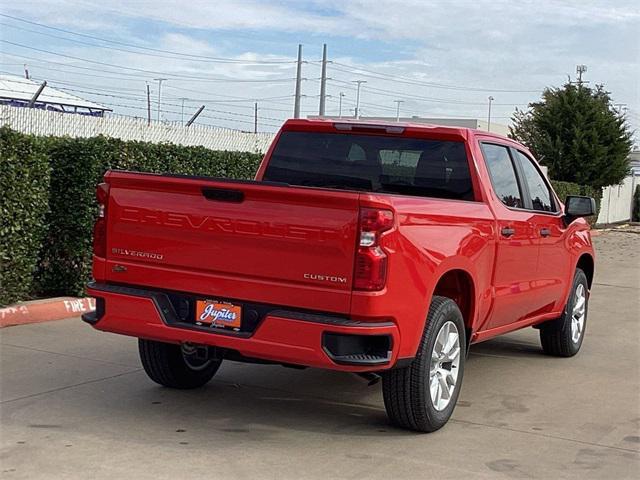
(577, 134)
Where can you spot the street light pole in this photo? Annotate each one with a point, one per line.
(398, 102)
(491, 99)
(357, 112)
(159, 80)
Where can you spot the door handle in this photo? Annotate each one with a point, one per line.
(545, 232)
(223, 194)
(507, 231)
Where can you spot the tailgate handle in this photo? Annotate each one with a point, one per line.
(223, 194)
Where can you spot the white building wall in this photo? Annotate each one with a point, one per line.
(41, 122)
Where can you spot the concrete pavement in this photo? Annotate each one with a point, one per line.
(76, 404)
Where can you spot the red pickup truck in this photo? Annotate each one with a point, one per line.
(374, 248)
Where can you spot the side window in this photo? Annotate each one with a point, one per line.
(503, 175)
(541, 198)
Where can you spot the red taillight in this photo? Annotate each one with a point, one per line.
(371, 261)
(100, 227)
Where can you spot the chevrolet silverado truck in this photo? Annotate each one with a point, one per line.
(382, 249)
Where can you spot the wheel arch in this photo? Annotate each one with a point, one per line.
(587, 265)
(458, 285)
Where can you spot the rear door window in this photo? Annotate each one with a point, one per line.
(503, 174)
(375, 163)
(539, 191)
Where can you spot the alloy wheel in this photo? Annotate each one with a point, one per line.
(445, 361)
(579, 313)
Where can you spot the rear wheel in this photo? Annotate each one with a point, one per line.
(563, 337)
(177, 366)
(423, 395)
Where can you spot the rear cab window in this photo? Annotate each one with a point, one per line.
(372, 163)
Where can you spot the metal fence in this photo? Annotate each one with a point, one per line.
(41, 122)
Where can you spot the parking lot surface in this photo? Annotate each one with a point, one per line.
(75, 403)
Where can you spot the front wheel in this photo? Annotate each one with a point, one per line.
(563, 337)
(423, 395)
(177, 366)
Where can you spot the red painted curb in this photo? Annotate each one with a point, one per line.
(45, 310)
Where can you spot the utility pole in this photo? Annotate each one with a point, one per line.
(340, 105)
(195, 115)
(148, 105)
(182, 112)
(159, 80)
(255, 117)
(398, 102)
(491, 99)
(357, 111)
(323, 81)
(580, 69)
(296, 105)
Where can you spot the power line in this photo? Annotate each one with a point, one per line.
(229, 100)
(132, 107)
(395, 93)
(401, 79)
(136, 99)
(115, 42)
(142, 100)
(150, 72)
(233, 101)
(184, 57)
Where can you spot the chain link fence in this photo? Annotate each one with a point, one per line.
(41, 122)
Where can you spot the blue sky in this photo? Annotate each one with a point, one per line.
(440, 58)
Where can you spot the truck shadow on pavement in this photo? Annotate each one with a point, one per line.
(253, 402)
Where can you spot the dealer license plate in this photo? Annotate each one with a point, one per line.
(213, 313)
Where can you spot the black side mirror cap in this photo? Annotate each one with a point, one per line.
(576, 206)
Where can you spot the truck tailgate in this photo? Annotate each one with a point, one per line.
(238, 240)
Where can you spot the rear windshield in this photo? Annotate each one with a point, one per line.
(372, 163)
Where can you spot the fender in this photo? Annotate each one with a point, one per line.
(578, 243)
(451, 264)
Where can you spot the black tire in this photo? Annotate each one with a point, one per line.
(406, 391)
(166, 365)
(556, 336)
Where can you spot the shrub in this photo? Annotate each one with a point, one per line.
(563, 189)
(24, 195)
(65, 257)
(78, 165)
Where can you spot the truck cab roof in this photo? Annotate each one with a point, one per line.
(361, 125)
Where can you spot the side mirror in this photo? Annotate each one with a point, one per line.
(576, 207)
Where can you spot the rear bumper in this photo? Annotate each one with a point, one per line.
(281, 336)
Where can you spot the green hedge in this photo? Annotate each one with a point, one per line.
(78, 165)
(65, 210)
(24, 202)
